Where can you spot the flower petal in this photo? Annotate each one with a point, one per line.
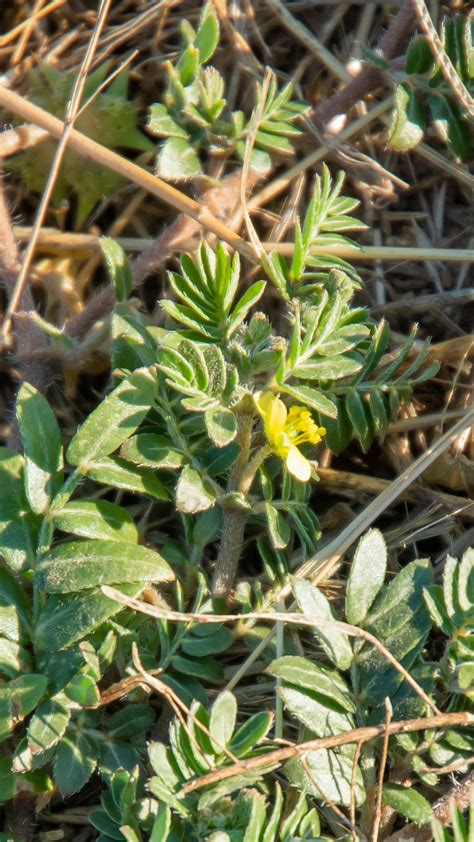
(263, 401)
(275, 418)
(298, 465)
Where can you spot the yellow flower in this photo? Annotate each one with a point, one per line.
(285, 430)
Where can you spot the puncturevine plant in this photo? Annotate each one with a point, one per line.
(209, 438)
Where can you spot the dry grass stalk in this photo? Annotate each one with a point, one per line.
(71, 114)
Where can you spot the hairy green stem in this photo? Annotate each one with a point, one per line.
(230, 550)
(234, 520)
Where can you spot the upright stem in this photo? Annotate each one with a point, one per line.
(230, 550)
(234, 519)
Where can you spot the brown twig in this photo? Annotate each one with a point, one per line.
(279, 756)
(71, 113)
(178, 706)
(355, 766)
(383, 763)
(10, 36)
(132, 172)
(287, 617)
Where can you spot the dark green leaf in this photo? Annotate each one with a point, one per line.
(76, 565)
(66, 619)
(251, 733)
(114, 420)
(42, 447)
(153, 451)
(75, 760)
(110, 470)
(193, 493)
(408, 802)
(205, 668)
(338, 430)
(130, 721)
(217, 460)
(314, 605)
(452, 126)
(211, 644)
(96, 519)
(360, 418)
(366, 576)
(419, 57)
